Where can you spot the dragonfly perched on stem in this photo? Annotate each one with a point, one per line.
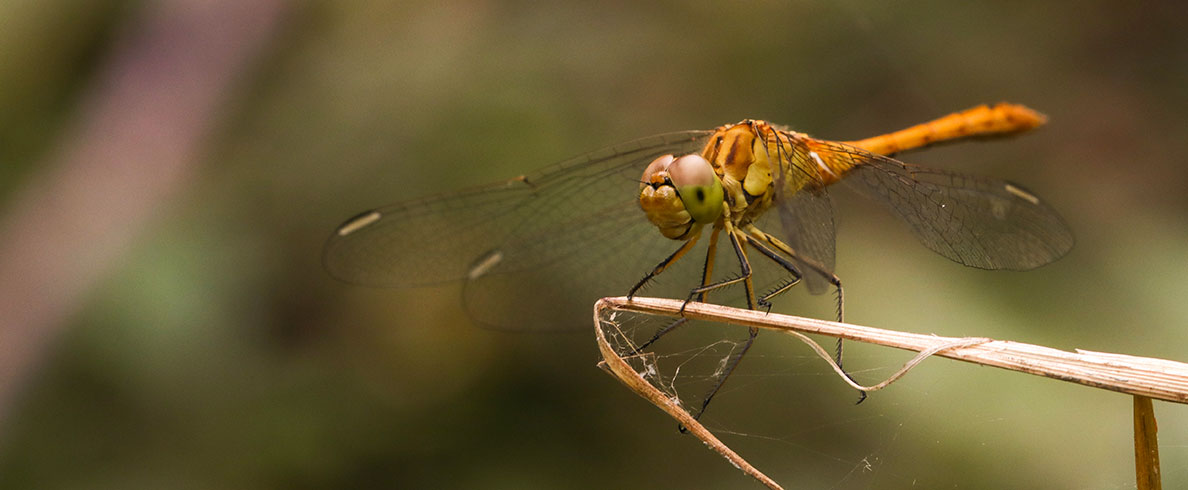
(535, 251)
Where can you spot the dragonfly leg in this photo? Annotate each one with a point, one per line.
(701, 292)
(726, 372)
(684, 248)
(790, 267)
(707, 272)
(765, 300)
(659, 333)
(744, 277)
(755, 236)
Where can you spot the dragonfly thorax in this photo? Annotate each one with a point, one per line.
(741, 155)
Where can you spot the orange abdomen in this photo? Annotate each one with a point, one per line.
(1000, 120)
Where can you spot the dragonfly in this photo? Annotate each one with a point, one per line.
(535, 251)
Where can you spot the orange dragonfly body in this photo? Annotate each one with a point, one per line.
(747, 168)
(750, 166)
(535, 251)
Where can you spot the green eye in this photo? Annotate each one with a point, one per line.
(699, 187)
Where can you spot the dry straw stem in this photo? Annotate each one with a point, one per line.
(621, 370)
(1139, 376)
(1154, 378)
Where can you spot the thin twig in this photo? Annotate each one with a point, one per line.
(1155, 378)
(618, 367)
(1146, 446)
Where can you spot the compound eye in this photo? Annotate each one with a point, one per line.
(699, 187)
(691, 170)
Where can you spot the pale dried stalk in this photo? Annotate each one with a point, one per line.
(1139, 376)
(613, 363)
(1155, 378)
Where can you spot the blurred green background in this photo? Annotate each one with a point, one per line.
(210, 350)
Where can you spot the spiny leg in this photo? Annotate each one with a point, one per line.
(765, 300)
(702, 292)
(732, 363)
(707, 271)
(744, 278)
(754, 234)
(684, 248)
(791, 268)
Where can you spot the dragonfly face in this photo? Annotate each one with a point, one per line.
(681, 195)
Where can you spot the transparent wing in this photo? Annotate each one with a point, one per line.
(806, 221)
(805, 214)
(520, 244)
(976, 221)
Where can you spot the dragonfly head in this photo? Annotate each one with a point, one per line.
(680, 195)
